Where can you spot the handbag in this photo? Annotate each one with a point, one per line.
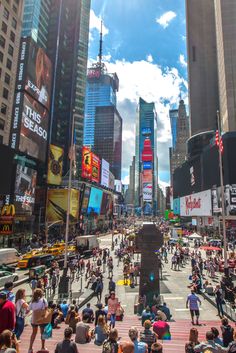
(42, 316)
(47, 332)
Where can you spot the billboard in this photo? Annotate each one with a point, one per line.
(147, 191)
(29, 131)
(106, 207)
(147, 153)
(146, 131)
(24, 196)
(95, 201)
(111, 181)
(34, 72)
(230, 200)
(147, 176)
(105, 173)
(57, 205)
(176, 206)
(118, 185)
(85, 200)
(147, 165)
(55, 165)
(86, 163)
(95, 168)
(198, 204)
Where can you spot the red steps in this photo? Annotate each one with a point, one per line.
(179, 333)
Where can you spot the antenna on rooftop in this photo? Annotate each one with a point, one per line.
(100, 48)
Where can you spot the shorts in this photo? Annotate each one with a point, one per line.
(196, 312)
(41, 325)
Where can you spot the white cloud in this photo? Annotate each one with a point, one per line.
(149, 58)
(95, 24)
(163, 186)
(182, 60)
(154, 84)
(166, 18)
(125, 180)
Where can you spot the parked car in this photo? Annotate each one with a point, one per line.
(6, 276)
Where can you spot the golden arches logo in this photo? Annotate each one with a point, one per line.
(8, 210)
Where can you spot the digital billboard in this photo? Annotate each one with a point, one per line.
(57, 200)
(147, 165)
(29, 131)
(24, 196)
(147, 176)
(55, 164)
(86, 163)
(111, 181)
(147, 191)
(106, 207)
(105, 173)
(95, 200)
(146, 131)
(198, 204)
(95, 168)
(34, 72)
(85, 200)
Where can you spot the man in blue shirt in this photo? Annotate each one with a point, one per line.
(8, 287)
(193, 301)
(139, 347)
(64, 308)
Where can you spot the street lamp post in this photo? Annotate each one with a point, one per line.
(226, 269)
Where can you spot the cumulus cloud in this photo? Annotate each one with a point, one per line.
(149, 58)
(182, 60)
(95, 25)
(154, 84)
(166, 18)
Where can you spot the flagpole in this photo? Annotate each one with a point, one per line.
(222, 197)
(71, 156)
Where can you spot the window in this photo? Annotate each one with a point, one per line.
(7, 79)
(2, 41)
(5, 13)
(12, 36)
(10, 50)
(5, 93)
(9, 64)
(2, 124)
(194, 53)
(4, 109)
(14, 23)
(1, 57)
(14, 8)
(4, 27)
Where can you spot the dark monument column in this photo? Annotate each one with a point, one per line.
(149, 240)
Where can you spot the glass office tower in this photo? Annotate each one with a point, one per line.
(36, 20)
(100, 92)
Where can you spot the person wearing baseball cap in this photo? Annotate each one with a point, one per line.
(7, 313)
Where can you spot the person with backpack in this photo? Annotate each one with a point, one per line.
(227, 332)
(110, 345)
(111, 286)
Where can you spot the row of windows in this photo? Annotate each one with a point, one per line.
(10, 49)
(9, 62)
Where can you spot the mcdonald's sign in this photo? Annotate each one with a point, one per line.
(6, 227)
(8, 210)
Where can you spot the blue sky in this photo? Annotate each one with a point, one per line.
(144, 42)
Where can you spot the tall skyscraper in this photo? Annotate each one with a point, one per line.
(173, 114)
(146, 178)
(68, 50)
(100, 92)
(129, 199)
(225, 14)
(36, 20)
(108, 137)
(10, 31)
(178, 151)
(202, 65)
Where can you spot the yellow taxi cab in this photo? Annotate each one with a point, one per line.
(55, 251)
(71, 248)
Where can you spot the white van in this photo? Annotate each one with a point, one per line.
(8, 256)
(88, 242)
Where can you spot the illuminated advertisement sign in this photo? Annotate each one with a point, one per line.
(86, 163)
(25, 184)
(106, 207)
(29, 131)
(94, 73)
(147, 153)
(55, 163)
(147, 176)
(147, 191)
(198, 204)
(147, 165)
(105, 173)
(34, 72)
(95, 168)
(111, 181)
(85, 200)
(95, 201)
(6, 227)
(57, 205)
(176, 206)
(146, 131)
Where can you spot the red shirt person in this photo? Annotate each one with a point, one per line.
(7, 313)
(161, 328)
